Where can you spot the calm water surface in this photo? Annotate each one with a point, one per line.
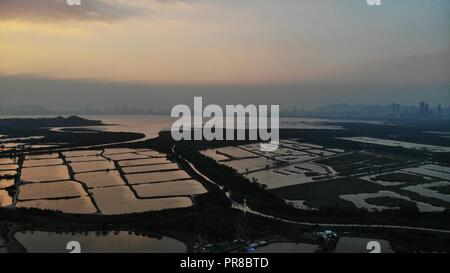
(47, 242)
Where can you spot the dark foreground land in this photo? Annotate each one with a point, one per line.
(215, 217)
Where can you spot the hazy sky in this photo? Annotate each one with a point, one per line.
(318, 51)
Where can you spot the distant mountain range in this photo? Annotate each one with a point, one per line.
(48, 122)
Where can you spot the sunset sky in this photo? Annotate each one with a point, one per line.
(344, 44)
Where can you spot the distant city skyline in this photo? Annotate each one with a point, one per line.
(394, 111)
